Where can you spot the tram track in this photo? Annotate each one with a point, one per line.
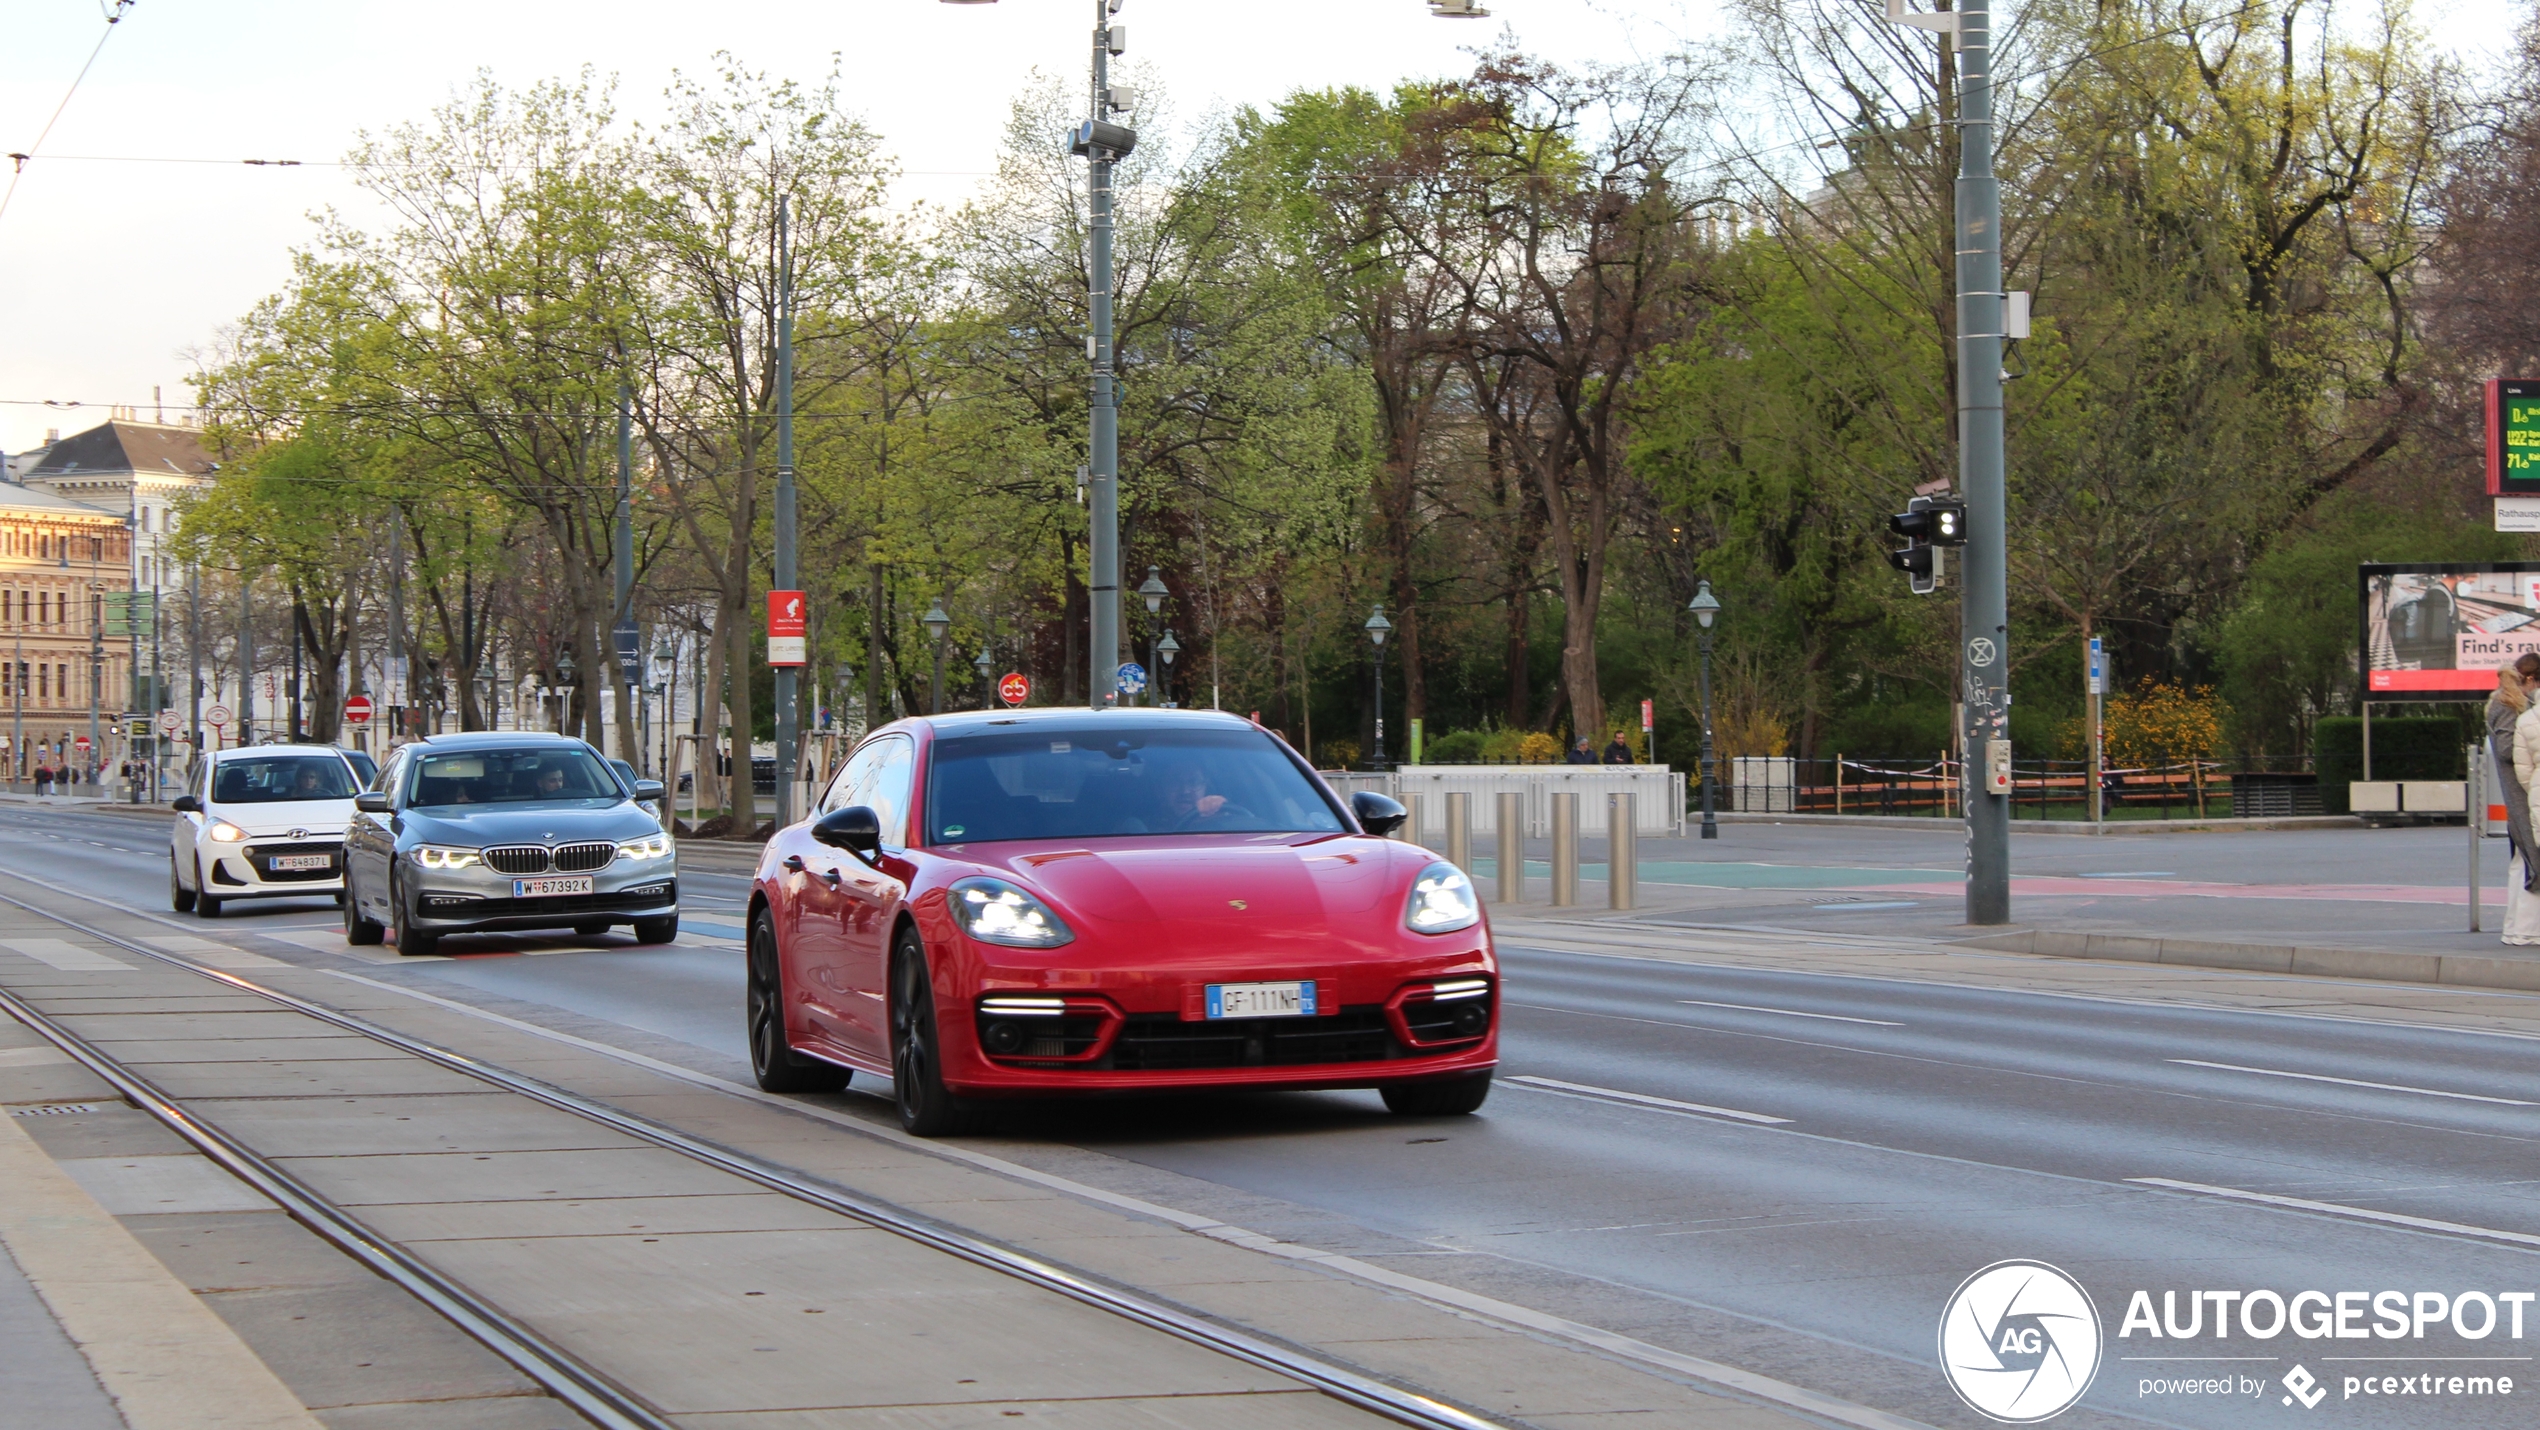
(596, 1396)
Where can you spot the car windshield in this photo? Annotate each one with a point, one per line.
(1089, 783)
(556, 774)
(281, 778)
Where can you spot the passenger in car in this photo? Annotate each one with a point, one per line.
(1188, 803)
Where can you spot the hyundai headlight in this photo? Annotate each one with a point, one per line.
(994, 911)
(224, 832)
(438, 856)
(651, 846)
(1442, 901)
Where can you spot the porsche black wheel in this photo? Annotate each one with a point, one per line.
(927, 1107)
(773, 1060)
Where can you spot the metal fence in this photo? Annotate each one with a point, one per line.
(1659, 804)
(1929, 785)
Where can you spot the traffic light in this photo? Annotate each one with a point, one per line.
(1929, 525)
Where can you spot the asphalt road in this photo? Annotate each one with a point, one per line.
(1786, 1172)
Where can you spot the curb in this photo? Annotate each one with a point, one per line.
(2082, 828)
(2387, 965)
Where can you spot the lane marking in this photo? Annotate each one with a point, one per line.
(66, 956)
(2354, 1082)
(1787, 1012)
(1642, 1099)
(2305, 1204)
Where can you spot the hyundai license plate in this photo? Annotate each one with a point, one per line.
(1261, 1000)
(293, 863)
(543, 888)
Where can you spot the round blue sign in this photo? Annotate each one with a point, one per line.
(1133, 678)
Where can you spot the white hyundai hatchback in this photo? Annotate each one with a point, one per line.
(265, 822)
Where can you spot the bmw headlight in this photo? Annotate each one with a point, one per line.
(439, 856)
(651, 846)
(1442, 901)
(994, 911)
(224, 832)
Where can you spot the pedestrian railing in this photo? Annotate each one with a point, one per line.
(1659, 791)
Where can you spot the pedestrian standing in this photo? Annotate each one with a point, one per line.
(1580, 754)
(43, 778)
(1619, 752)
(2513, 740)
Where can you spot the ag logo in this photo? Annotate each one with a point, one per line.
(2019, 1342)
(1980, 652)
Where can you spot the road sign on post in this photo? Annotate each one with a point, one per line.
(357, 710)
(1133, 679)
(787, 625)
(1015, 688)
(218, 717)
(170, 722)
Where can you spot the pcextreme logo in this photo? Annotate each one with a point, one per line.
(2019, 1342)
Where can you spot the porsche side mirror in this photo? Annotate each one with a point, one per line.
(371, 801)
(186, 804)
(856, 829)
(1376, 814)
(648, 789)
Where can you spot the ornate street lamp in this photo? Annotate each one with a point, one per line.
(937, 623)
(1377, 629)
(1706, 609)
(1165, 650)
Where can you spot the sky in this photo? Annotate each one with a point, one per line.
(114, 272)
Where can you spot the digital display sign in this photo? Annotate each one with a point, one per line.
(2513, 437)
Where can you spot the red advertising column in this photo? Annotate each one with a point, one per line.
(785, 627)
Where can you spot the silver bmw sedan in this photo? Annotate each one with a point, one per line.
(505, 830)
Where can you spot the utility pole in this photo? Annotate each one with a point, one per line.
(785, 674)
(622, 626)
(246, 666)
(1099, 146)
(194, 656)
(96, 657)
(1984, 605)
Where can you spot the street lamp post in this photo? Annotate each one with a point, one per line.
(1165, 650)
(666, 666)
(564, 690)
(937, 622)
(1377, 629)
(986, 665)
(1706, 609)
(1153, 592)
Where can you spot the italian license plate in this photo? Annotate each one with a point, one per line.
(1261, 1000)
(292, 863)
(547, 888)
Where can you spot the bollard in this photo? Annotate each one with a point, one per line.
(1565, 849)
(1512, 849)
(1409, 833)
(1622, 852)
(1459, 830)
(2473, 814)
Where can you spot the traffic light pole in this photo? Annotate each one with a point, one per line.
(1984, 601)
(785, 674)
(1105, 438)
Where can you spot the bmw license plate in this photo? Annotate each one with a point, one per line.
(545, 888)
(1261, 1000)
(295, 863)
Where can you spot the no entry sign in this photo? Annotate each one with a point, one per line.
(357, 709)
(1015, 688)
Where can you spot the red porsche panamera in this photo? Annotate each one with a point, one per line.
(1067, 901)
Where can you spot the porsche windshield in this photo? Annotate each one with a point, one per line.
(548, 775)
(1089, 783)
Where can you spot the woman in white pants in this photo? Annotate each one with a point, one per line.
(2513, 737)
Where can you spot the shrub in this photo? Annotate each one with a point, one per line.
(1538, 748)
(2404, 747)
(1464, 747)
(1338, 755)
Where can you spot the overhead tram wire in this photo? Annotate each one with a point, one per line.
(18, 161)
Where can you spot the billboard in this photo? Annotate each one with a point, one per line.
(2441, 632)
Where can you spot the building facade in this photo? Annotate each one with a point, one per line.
(59, 561)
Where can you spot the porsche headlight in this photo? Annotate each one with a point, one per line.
(439, 856)
(1442, 901)
(651, 846)
(224, 832)
(994, 911)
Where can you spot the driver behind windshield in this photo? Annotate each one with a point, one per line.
(1188, 804)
